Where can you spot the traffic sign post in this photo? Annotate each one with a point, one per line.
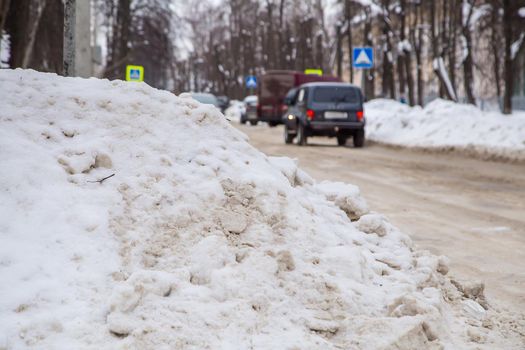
(134, 73)
(363, 57)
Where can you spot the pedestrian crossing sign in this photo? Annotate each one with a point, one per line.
(251, 81)
(134, 73)
(363, 57)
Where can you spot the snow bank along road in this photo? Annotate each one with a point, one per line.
(470, 210)
(445, 125)
(199, 240)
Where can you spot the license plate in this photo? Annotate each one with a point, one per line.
(335, 115)
(251, 115)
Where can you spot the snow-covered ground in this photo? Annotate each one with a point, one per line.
(445, 125)
(196, 240)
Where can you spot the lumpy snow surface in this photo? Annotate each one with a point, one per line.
(134, 219)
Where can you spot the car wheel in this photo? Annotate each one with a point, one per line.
(272, 124)
(253, 122)
(243, 121)
(359, 138)
(288, 139)
(341, 140)
(301, 136)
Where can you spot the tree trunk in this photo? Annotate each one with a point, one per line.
(495, 50)
(368, 73)
(508, 64)
(452, 25)
(417, 44)
(339, 50)
(348, 15)
(468, 75)
(407, 56)
(281, 39)
(443, 90)
(119, 53)
(270, 36)
(319, 51)
(388, 84)
(401, 66)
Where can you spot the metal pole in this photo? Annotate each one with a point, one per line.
(69, 37)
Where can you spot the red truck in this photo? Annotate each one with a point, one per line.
(273, 86)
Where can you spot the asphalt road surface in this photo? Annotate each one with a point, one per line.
(470, 210)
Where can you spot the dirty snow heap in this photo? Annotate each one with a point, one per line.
(131, 218)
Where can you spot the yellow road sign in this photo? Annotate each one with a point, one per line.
(314, 71)
(134, 73)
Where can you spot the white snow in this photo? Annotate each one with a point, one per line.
(198, 241)
(234, 111)
(447, 125)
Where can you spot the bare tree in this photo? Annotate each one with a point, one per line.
(416, 38)
(348, 18)
(339, 49)
(468, 74)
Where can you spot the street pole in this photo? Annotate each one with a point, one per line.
(69, 38)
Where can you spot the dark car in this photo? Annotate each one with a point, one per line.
(206, 98)
(325, 109)
(273, 88)
(224, 102)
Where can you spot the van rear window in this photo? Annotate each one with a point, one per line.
(336, 94)
(276, 85)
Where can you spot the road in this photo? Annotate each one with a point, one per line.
(470, 210)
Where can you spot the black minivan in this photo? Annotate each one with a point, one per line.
(325, 109)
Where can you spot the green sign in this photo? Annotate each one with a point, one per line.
(134, 73)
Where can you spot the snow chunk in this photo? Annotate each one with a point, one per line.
(345, 196)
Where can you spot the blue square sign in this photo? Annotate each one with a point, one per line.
(363, 57)
(251, 81)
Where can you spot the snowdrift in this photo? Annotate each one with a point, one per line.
(448, 126)
(134, 219)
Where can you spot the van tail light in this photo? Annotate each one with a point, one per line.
(310, 114)
(360, 115)
(284, 108)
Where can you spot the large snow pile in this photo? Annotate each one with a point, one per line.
(445, 125)
(198, 240)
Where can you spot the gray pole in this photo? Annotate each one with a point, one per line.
(69, 38)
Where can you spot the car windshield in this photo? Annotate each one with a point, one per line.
(335, 94)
